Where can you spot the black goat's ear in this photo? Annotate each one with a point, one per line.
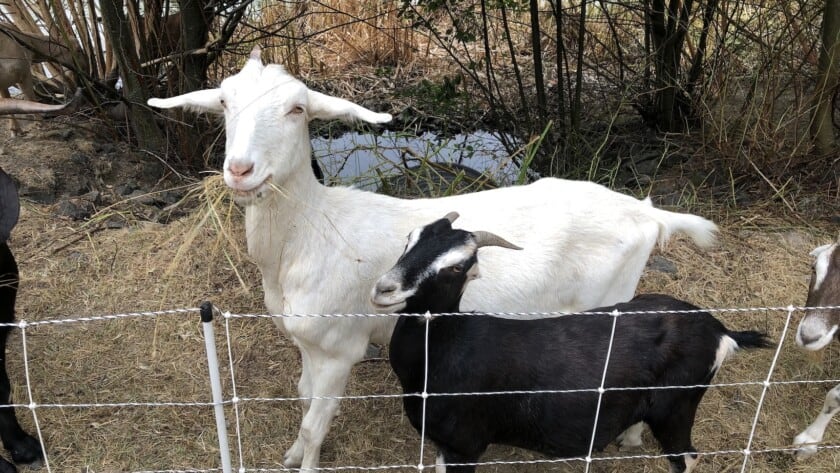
(9, 205)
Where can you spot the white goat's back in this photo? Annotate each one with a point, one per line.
(584, 245)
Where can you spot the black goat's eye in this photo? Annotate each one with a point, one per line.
(457, 268)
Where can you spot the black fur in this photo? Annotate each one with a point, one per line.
(23, 448)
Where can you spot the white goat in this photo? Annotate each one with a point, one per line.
(816, 330)
(321, 249)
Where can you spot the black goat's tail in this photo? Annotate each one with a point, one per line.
(730, 342)
(751, 339)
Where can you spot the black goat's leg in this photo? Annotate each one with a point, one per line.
(452, 462)
(673, 432)
(23, 447)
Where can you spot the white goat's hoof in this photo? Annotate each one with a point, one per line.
(807, 446)
(294, 456)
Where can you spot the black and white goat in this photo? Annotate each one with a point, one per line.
(816, 330)
(470, 353)
(24, 448)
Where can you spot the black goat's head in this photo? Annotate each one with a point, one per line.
(433, 271)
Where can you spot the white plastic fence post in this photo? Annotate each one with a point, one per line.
(215, 383)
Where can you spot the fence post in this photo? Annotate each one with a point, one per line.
(215, 383)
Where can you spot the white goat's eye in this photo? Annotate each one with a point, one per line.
(222, 101)
(296, 110)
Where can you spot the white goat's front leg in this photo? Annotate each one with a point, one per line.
(329, 379)
(305, 381)
(813, 434)
(294, 455)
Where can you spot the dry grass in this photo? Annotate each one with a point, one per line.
(69, 271)
(327, 35)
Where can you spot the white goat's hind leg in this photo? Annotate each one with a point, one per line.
(813, 434)
(632, 437)
(329, 380)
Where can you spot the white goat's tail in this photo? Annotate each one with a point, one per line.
(702, 231)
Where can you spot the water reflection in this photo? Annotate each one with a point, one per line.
(363, 160)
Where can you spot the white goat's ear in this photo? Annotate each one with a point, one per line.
(209, 100)
(326, 107)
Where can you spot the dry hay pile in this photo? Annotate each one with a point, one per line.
(69, 271)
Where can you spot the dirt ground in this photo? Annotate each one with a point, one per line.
(121, 259)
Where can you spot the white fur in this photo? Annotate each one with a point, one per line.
(808, 439)
(823, 258)
(691, 460)
(321, 249)
(726, 347)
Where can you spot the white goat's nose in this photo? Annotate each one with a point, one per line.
(241, 169)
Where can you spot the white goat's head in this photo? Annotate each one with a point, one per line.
(818, 327)
(267, 113)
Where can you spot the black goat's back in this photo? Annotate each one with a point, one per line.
(476, 353)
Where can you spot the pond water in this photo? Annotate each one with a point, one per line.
(360, 159)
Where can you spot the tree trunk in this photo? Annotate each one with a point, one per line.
(542, 109)
(668, 28)
(148, 135)
(195, 18)
(576, 102)
(822, 126)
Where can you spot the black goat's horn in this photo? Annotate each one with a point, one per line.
(491, 239)
(451, 216)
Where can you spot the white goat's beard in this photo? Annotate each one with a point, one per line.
(243, 200)
(253, 196)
